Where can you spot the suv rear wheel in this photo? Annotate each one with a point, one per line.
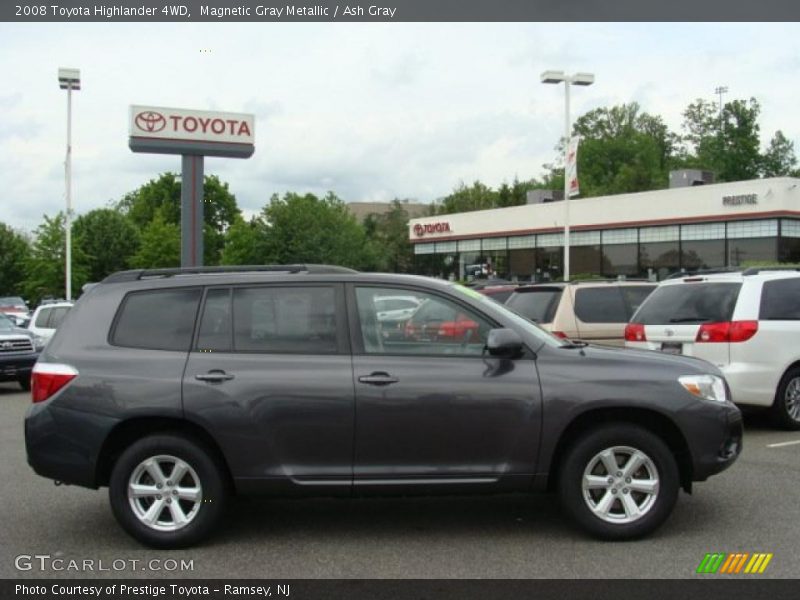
(619, 481)
(167, 491)
(786, 408)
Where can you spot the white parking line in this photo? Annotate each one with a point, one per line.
(781, 444)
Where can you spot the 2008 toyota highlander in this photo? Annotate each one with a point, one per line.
(178, 388)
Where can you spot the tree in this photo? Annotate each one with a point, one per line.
(160, 245)
(622, 150)
(46, 264)
(108, 240)
(307, 229)
(389, 234)
(245, 242)
(727, 142)
(14, 253)
(163, 196)
(463, 199)
(779, 159)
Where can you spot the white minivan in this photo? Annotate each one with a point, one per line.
(47, 317)
(746, 323)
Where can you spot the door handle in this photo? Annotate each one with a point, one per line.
(378, 378)
(214, 376)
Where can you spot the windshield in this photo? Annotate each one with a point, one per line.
(14, 301)
(5, 323)
(519, 320)
(537, 304)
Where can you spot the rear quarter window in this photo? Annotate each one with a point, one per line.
(157, 319)
(780, 300)
(706, 302)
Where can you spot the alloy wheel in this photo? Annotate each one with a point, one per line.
(165, 493)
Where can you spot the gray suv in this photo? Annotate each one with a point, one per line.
(179, 388)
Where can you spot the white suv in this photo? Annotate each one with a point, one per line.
(746, 323)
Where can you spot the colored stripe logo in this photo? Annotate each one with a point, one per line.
(734, 563)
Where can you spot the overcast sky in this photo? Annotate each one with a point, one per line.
(370, 111)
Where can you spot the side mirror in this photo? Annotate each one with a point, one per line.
(504, 343)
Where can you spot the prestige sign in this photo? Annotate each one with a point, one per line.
(740, 199)
(191, 125)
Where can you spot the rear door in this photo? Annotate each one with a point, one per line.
(674, 314)
(432, 412)
(270, 377)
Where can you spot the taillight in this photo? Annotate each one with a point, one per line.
(48, 378)
(559, 334)
(727, 331)
(634, 332)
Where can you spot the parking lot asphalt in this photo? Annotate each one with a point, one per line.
(752, 507)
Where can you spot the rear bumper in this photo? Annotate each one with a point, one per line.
(13, 368)
(64, 444)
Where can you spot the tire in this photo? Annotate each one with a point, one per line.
(185, 516)
(785, 410)
(607, 509)
(25, 383)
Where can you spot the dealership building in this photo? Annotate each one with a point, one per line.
(647, 234)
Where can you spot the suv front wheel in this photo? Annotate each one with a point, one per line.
(786, 408)
(619, 481)
(167, 491)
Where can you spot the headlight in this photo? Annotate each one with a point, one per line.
(39, 342)
(708, 387)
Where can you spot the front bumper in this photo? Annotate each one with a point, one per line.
(713, 453)
(13, 368)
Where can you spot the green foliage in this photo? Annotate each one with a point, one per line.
(46, 263)
(160, 245)
(14, 253)
(779, 159)
(463, 199)
(162, 196)
(245, 242)
(107, 239)
(388, 234)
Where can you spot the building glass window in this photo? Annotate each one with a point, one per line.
(522, 241)
(752, 229)
(549, 263)
(621, 236)
(790, 228)
(584, 261)
(742, 252)
(521, 264)
(659, 258)
(703, 231)
(667, 233)
(620, 259)
(790, 250)
(469, 246)
(423, 248)
(702, 254)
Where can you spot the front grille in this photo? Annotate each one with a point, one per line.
(18, 345)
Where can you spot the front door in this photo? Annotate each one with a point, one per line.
(430, 407)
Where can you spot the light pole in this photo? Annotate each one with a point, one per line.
(69, 79)
(576, 79)
(719, 90)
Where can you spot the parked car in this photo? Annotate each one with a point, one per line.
(178, 387)
(19, 350)
(500, 292)
(747, 324)
(47, 317)
(14, 305)
(595, 311)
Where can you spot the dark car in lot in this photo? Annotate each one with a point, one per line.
(19, 350)
(178, 388)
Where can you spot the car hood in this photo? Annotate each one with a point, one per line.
(15, 332)
(647, 359)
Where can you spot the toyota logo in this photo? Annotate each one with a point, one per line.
(419, 230)
(670, 332)
(7, 345)
(150, 121)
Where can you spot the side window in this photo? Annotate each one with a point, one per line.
(299, 320)
(215, 324)
(57, 316)
(431, 325)
(157, 319)
(43, 317)
(634, 296)
(780, 300)
(600, 305)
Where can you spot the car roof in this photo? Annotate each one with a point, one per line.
(756, 274)
(56, 305)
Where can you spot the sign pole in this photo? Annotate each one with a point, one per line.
(192, 199)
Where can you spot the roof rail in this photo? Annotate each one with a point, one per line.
(137, 274)
(609, 280)
(757, 270)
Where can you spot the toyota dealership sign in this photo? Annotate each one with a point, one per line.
(191, 125)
